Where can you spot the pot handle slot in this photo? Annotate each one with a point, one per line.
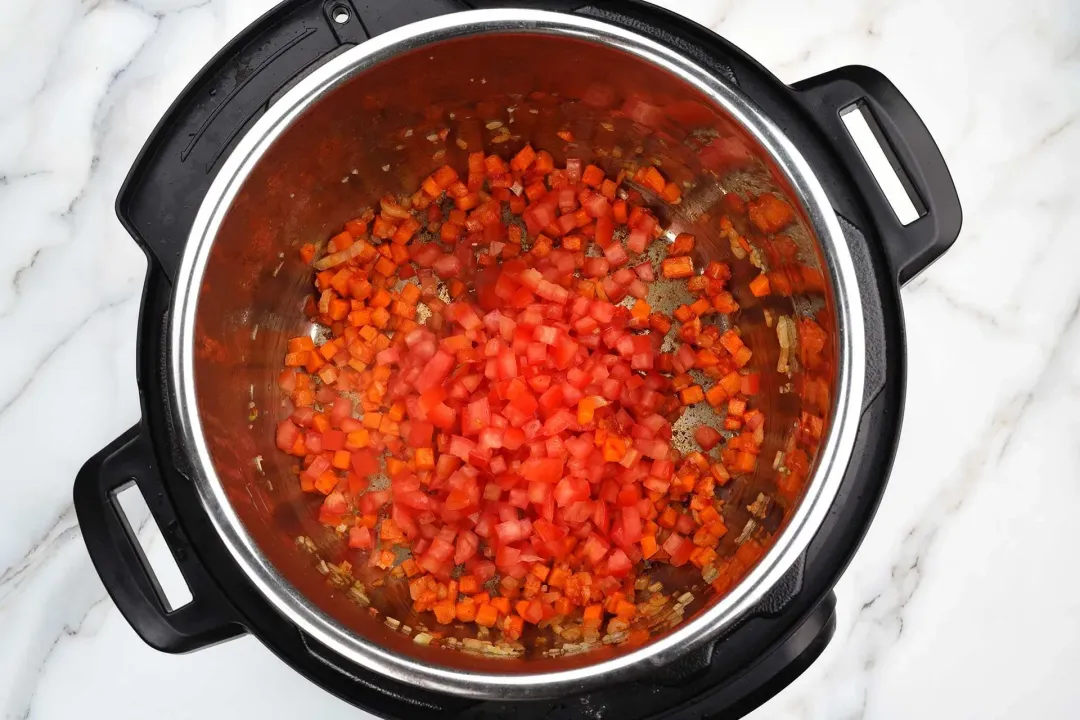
(909, 148)
(118, 558)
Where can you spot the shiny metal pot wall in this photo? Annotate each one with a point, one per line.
(365, 124)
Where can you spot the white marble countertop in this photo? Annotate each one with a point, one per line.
(963, 601)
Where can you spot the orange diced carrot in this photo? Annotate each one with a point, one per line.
(759, 286)
(675, 268)
(691, 395)
(487, 615)
(648, 546)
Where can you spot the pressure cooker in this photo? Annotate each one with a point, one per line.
(322, 106)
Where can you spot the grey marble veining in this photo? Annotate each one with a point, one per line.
(959, 604)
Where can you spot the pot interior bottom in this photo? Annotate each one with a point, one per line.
(386, 129)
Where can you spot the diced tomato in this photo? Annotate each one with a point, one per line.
(360, 538)
(618, 564)
(571, 490)
(707, 437)
(507, 557)
(364, 462)
(467, 544)
(482, 357)
(547, 470)
(631, 523)
(287, 434)
(595, 549)
(616, 254)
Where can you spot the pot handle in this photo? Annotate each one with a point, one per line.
(910, 149)
(553, 5)
(163, 191)
(119, 560)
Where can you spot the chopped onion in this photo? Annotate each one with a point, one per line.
(736, 248)
(392, 209)
(782, 363)
(786, 332)
(335, 259)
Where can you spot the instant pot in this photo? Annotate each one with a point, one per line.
(319, 108)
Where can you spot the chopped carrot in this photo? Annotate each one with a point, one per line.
(625, 609)
(342, 459)
(586, 409)
(593, 176)
(648, 546)
(445, 611)
(307, 253)
(619, 212)
(770, 214)
(296, 359)
(731, 341)
(301, 344)
(691, 395)
(513, 627)
(525, 157)
(671, 192)
(501, 604)
(326, 482)
(654, 180)
(487, 615)
(683, 245)
(759, 286)
(425, 459)
(465, 610)
(675, 268)
(385, 267)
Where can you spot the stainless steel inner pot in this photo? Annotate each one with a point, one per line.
(366, 123)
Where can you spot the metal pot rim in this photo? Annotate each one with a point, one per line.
(789, 545)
